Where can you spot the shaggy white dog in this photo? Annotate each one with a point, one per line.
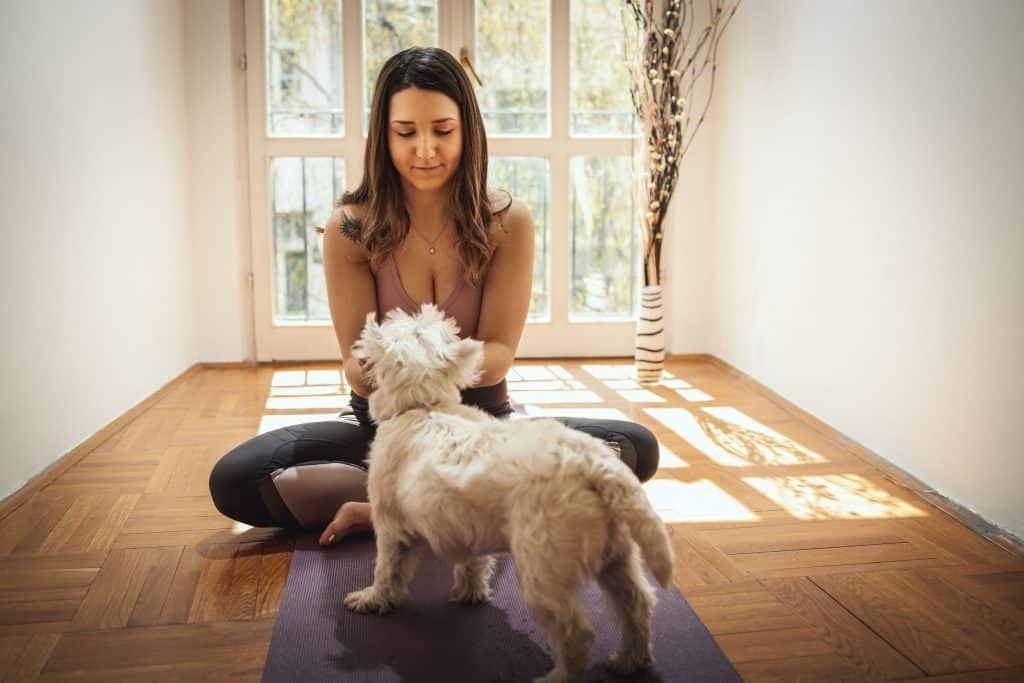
(470, 484)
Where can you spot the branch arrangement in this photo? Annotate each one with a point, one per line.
(663, 73)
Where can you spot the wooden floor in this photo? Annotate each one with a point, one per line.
(804, 560)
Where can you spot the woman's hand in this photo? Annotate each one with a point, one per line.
(356, 379)
(351, 517)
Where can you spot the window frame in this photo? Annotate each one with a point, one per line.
(555, 337)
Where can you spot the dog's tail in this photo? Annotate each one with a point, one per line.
(622, 494)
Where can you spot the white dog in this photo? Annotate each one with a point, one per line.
(470, 484)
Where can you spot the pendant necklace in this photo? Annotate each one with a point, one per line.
(430, 243)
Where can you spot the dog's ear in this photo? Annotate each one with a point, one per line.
(467, 356)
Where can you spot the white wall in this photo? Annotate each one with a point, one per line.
(686, 254)
(98, 295)
(869, 228)
(218, 178)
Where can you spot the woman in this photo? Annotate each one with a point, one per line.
(421, 227)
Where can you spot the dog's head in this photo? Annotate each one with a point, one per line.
(416, 360)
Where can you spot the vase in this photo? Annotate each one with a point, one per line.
(649, 349)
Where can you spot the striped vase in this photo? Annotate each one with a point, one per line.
(650, 337)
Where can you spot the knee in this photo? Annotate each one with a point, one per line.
(647, 452)
(222, 482)
(644, 445)
(637, 445)
(234, 489)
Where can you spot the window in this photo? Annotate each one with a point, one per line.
(561, 136)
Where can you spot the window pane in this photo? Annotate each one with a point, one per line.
(527, 178)
(303, 191)
(513, 60)
(304, 83)
(599, 100)
(391, 26)
(605, 249)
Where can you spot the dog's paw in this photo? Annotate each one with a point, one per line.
(468, 594)
(472, 584)
(630, 661)
(368, 600)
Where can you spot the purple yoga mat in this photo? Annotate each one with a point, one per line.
(429, 639)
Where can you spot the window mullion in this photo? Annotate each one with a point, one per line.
(558, 91)
(561, 219)
(352, 69)
(453, 30)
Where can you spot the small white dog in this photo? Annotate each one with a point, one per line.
(470, 484)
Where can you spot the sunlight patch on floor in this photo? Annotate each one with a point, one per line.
(559, 371)
(668, 460)
(617, 371)
(337, 402)
(834, 496)
(545, 385)
(687, 391)
(239, 528)
(683, 423)
(564, 396)
(701, 500)
(324, 390)
(298, 378)
(323, 377)
(288, 378)
(536, 372)
(272, 422)
(773, 448)
(610, 371)
(695, 395)
(733, 439)
(618, 384)
(591, 413)
(641, 396)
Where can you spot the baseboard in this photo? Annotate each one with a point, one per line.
(231, 364)
(69, 459)
(969, 518)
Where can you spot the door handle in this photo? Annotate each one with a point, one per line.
(468, 63)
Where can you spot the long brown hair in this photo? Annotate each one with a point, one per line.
(385, 222)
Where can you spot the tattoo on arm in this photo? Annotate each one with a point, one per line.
(352, 228)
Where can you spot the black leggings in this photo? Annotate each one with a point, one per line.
(297, 477)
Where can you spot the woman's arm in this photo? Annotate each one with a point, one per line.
(506, 294)
(350, 294)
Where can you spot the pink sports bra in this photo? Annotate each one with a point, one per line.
(463, 304)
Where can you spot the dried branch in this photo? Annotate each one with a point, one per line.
(665, 67)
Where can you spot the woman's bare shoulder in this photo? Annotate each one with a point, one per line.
(511, 216)
(504, 207)
(501, 200)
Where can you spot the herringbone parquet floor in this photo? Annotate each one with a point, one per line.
(802, 557)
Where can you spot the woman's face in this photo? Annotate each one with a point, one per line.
(424, 137)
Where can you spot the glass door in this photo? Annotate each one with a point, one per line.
(561, 135)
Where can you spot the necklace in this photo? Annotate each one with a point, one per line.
(430, 243)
